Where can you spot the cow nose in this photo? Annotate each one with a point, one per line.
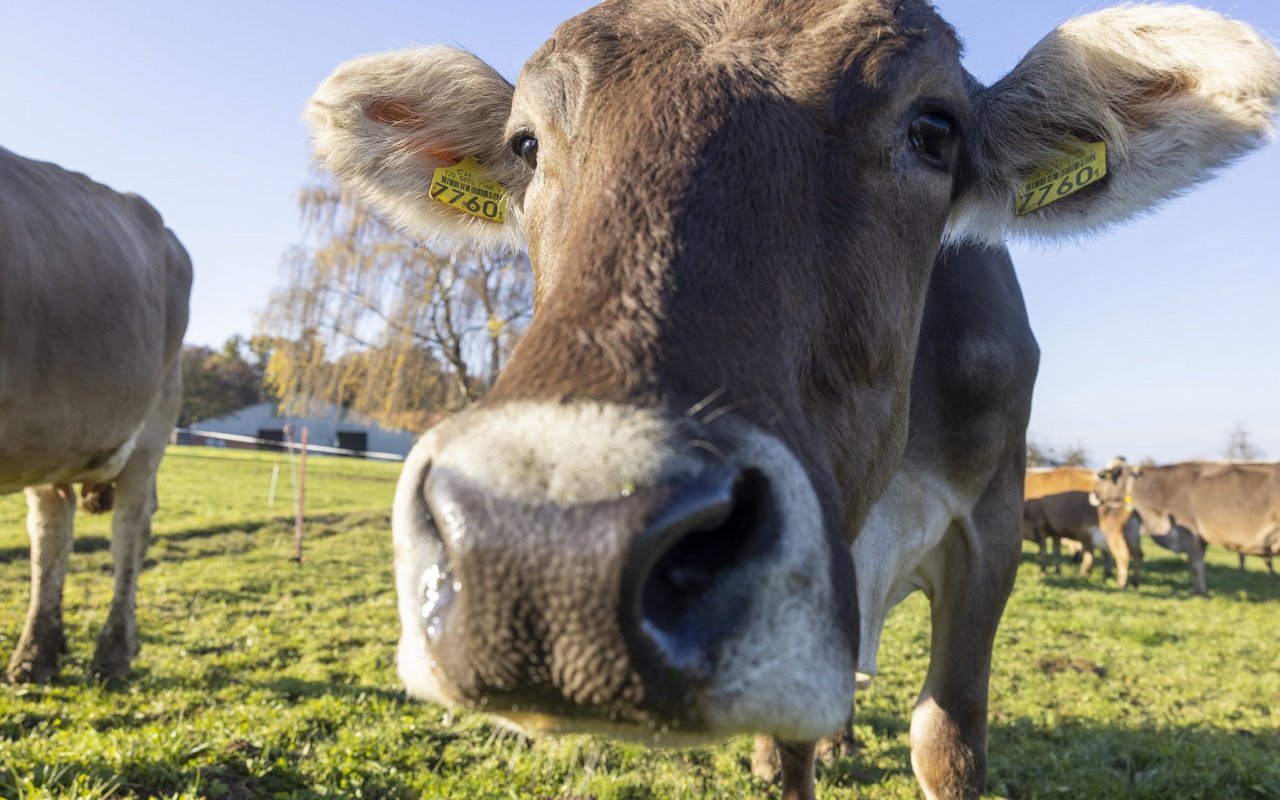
(553, 606)
(687, 575)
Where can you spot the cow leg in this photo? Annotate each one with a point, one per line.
(1195, 560)
(837, 746)
(1271, 570)
(1242, 569)
(766, 762)
(968, 579)
(135, 502)
(1121, 557)
(1057, 555)
(1040, 540)
(1086, 561)
(1133, 544)
(50, 513)
(797, 770)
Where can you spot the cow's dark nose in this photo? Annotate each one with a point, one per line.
(686, 576)
(550, 606)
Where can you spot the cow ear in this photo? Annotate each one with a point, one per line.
(385, 124)
(1170, 93)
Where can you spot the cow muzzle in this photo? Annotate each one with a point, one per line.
(571, 600)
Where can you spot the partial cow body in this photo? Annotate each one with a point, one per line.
(93, 307)
(1042, 481)
(1235, 505)
(745, 382)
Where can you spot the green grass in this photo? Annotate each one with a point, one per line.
(259, 678)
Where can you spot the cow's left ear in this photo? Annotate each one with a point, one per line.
(1171, 93)
(419, 135)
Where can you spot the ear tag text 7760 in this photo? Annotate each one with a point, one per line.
(467, 187)
(1081, 164)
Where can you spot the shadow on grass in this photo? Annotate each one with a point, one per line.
(316, 530)
(1167, 576)
(1082, 758)
(238, 772)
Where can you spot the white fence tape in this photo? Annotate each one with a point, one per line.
(291, 447)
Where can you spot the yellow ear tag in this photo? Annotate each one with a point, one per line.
(467, 187)
(1081, 164)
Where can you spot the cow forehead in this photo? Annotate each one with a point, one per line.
(804, 45)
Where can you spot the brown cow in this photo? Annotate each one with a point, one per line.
(93, 307)
(1073, 516)
(1065, 515)
(1235, 505)
(742, 364)
(1041, 481)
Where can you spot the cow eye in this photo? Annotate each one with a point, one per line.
(526, 147)
(931, 136)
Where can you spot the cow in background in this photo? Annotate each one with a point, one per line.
(93, 308)
(1041, 481)
(1119, 532)
(1235, 505)
(1070, 516)
(745, 382)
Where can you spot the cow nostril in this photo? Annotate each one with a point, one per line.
(693, 549)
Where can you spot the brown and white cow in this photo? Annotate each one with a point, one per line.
(1119, 533)
(93, 307)
(1074, 517)
(1187, 506)
(743, 363)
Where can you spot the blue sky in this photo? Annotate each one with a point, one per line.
(1156, 339)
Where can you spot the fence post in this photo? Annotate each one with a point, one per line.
(302, 493)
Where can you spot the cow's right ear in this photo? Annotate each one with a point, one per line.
(385, 124)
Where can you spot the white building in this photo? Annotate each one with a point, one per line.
(327, 426)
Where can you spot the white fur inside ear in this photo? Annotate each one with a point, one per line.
(1175, 92)
(383, 123)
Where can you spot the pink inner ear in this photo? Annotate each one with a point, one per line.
(391, 112)
(394, 112)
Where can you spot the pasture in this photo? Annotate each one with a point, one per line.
(259, 678)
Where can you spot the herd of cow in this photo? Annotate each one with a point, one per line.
(1182, 507)
(750, 415)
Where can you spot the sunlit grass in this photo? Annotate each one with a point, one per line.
(260, 678)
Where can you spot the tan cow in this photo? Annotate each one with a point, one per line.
(1042, 481)
(743, 366)
(93, 307)
(1187, 506)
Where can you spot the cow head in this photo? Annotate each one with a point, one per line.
(1113, 485)
(732, 210)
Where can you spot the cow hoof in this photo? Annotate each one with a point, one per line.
(32, 667)
(112, 661)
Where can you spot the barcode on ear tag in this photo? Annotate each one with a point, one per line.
(467, 187)
(1081, 164)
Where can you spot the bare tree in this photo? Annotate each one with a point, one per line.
(1240, 446)
(386, 326)
(1040, 454)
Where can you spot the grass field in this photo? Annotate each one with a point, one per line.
(259, 678)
